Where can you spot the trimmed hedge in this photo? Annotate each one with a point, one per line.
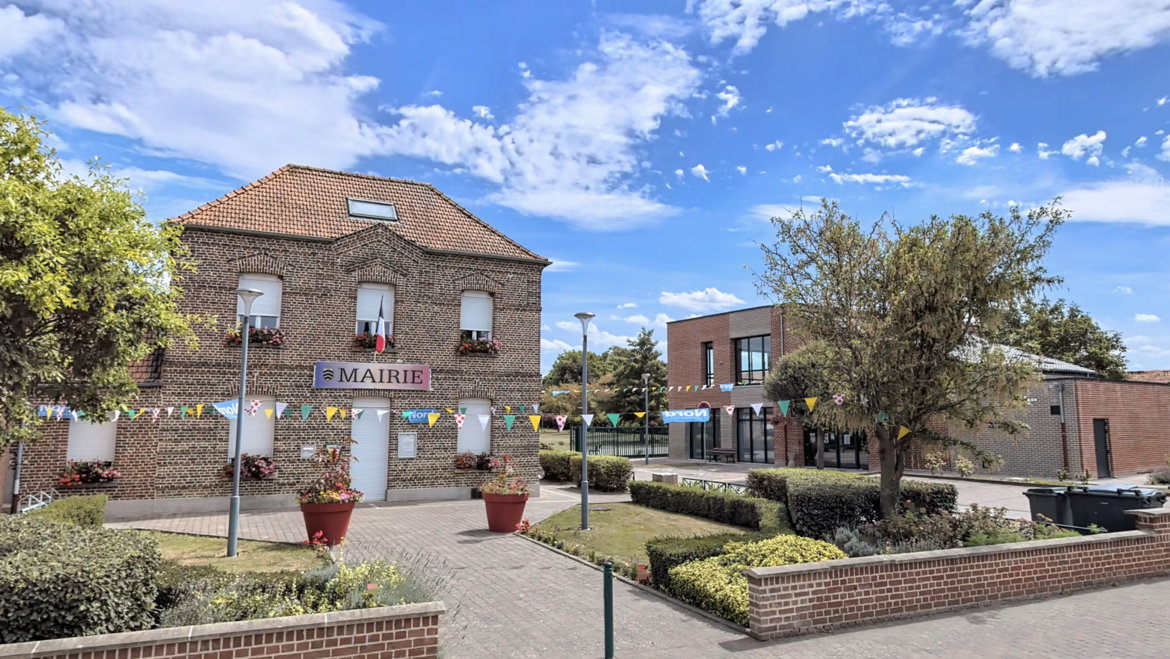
(59, 580)
(821, 501)
(666, 552)
(759, 514)
(718, 584)
(555, 465)
(79, 511)
(607, 473)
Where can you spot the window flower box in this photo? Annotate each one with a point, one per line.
(369, 341)
(469, 346)
(256, 467)
(469, 461)
(81, 473)
(270, 336)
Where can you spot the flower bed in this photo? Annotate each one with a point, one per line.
(273, 336)
(87, 472)
(256, 467)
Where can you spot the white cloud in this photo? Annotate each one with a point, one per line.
(568, 325)
(1082, 145)
(679, 173)
(907, 122)
(628, 305)
(1162, 101)
(1065, 37)
(879, 179)
(1142, 198)
(741, 170)
(434, 92)
(710, 299)
(560, 265)
(1146, 318)
(833, 141)
(572, 151)
(730, 97)
(797, 178)
(1042, 150)
(555, 344)
(824, 169)
(1141, 141)
(659, 26)
(1138, 339)
(545, 327)
(638, 319)
(483, 112)
(1165, 155)
(1123, 289)
(1015, 147)
(973, 154)
(18, 31)
(661, 320)
(774, 146)
(699, 171)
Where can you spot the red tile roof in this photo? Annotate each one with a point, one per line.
(307, 201)
(1162, 377)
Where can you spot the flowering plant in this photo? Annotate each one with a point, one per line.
(369, 340)
(505, 483)
(85, 472)
(333, 484)
(466, 460)
(256, 467)
(468, 345)
(273, 336)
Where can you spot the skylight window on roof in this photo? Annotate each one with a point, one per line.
(374, 210)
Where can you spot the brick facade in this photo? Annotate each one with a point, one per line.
(411, 630)
(175, 458)
(816, 597)
(1139, 424)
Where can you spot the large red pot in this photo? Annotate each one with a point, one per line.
(330, 519)
(504, 511)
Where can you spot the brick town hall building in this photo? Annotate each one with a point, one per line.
(327, 249)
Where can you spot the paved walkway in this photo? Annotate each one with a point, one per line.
(511, 598)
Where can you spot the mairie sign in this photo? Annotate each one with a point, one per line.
(702, 415)
(360, 375)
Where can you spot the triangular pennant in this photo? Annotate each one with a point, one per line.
(450, 411)
(484, 420)
(306, 410)
(522, 409)
(131, 413)
(73, 414)
(903, 431)
(117, 413)
(507, 409)
(535, 423)
(154, 411)
(341, 412)
(730, 409)
(459, 419)
(561, 422)
(509, 419)
(432, 418)
(406, 414)
(882, 416)
(463, 410)
(280, 408)
(268, 413)
(254, 407)
(588, 419)
(357, 413)
(536, 408)
(756, 407)
(329, 412)
(493, 410)
(141, 412)
(783, 405)
(382, 413)
(613, 418)
(199, 411)
(838, 398)
(170, 411)
(183, 412)
(811, 402)
(639, 414)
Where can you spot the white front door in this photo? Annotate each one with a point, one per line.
(371, 448)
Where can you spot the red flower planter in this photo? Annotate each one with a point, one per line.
(504, 511)
(330, 519)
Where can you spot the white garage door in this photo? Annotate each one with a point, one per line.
(372, 448)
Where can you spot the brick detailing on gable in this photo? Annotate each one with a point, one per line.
(476, 281)
(259, 263)
(374, 272)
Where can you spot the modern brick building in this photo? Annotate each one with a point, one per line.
(328, 249)
(1077, 421)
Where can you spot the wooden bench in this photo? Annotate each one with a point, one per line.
(728, 453)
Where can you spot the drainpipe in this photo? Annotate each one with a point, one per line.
(1063, 426)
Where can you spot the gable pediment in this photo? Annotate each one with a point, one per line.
(259, 263)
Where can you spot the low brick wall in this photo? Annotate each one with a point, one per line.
(411, 630)
(814, 597)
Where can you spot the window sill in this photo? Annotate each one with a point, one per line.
(108, 485)
(257, 344)
(479, 354)
(387, 351)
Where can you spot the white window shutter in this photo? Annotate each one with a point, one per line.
(267, 304)
(476, 312)
(259, 430)
(91, 441)
(473, 437)
(369, 296)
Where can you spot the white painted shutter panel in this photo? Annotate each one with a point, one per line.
(259, 430)
(369, 297)
(267, 304)
(372, 448)
(476, 313)
(91, 441)
(472, 437)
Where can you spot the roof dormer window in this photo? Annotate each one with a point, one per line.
(373, 210)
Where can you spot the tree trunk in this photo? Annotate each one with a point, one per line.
(820, 449)
(892, 465)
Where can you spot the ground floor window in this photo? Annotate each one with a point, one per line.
(474, 436)
(703, 437)
(843, 450)
(90, 441)
(755, 435)
(259, 428)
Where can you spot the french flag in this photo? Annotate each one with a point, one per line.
(380, 343)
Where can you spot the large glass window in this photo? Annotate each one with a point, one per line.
(266, 308)
(708, 363)
(475, 316)
(752, 359)
(755, 435)
(370, 298)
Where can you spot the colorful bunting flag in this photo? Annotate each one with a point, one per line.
(406, 414)
(117, 413)
(903, 431)
(254, 407)
(561, 422)
(450, 411)
(756, 407)
(522, 409)
(509, 419)
(588, 419)
(535, 408)
(463, 410)
(268, 413)
(459, 419)
(535, 423)
(811, 402)
(730, 409)
(199, 411)
(280, 408)
(507, 409)
(382, 413)
(882, 416)
(493, 410)
(432, 417)
(170, 410)
(838, 398)
(329, 412)
(613, 418)
(784, 407)
(357, 413)
(639, 414)
(305, 411)
(183, 412)
(484, 420)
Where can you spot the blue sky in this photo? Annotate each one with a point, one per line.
(644, 145)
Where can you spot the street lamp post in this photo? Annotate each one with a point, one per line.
(584, 317)
(646, 416)
(247, 296)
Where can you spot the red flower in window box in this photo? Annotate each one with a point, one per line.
(273, 336)
(468, 345)
(87, 472)
(369, 340)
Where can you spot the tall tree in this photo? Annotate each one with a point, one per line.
(87, 284)
(792, 378)
(628, 365)
(1060, 330)
(567, 369)
(893, 311)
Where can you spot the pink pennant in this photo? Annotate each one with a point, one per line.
(561, 422)
(459, 419)
(730, 409)
(838, 398)
(154, 414)
(254, 407)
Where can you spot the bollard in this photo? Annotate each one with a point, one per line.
(608, 590)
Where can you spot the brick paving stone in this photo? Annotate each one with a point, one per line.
(511, 598)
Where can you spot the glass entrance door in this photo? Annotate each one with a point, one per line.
(755, 435)
(843, 450)
(703, 437)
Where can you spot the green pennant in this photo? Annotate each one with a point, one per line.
(359, 414)
(509, 419)
(184, 414)
(882, 417)
(613, 418)
(784, 407)
(463, 410)
(305, 410)
(522, 409)
(132, 414)
(406, 414)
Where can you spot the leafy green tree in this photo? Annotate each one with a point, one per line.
(87, 284)
(628, 365)
(1060, 330)
(792, 377)
(892, 313)
(567, 368)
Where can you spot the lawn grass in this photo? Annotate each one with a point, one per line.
(250, 554)
(559, 441)
(623, 529)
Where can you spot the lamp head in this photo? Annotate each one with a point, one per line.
(248, 295)
(645, 377)
(585, 317)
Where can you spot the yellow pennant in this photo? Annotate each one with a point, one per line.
(198, 411)
(450, 411)
(142, 411)
(342, 413)
(507, 409)
(903, 431)
(535, 423)
(329, 412)
(811, 402)
(432, 418)
(268, 413)
(639, 414)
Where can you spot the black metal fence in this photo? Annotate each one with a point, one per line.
(622, 442)
(717, 486)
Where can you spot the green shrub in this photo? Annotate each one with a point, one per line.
(718, 585)
(80, 511)
(555, 465)
(59, 580)
(666, 552)
(725, 507)
(607, 473)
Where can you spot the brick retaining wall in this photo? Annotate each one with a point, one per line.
(814, 597)
(411, 630)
